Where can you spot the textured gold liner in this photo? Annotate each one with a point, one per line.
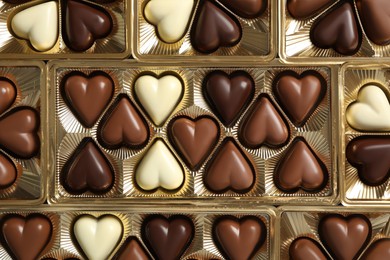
(64, 245)
(29, 79)
(319, 132)
(353, 76)
(257, 43)
(115, 45)
(295, 45)
(295, 222)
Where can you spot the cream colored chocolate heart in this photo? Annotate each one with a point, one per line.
(159, 97)
(371, 111)
(159, 168)
(171, 17)
(98, 237)
(37, 24)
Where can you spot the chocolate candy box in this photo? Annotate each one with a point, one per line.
(125, 132)
(65, 29)
(199, 30)
(63, 233)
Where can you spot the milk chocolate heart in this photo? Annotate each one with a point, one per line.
(303, 9)
(239, 238)
(123, 126)
(132, 249)
(8, 172)
(87, 96)
(374, 15)
(300, 168)
(380, 249)
(246, 8)
(19, 132)
(337, 29)
(345, 237)
(229, 170)
(306, 248)
(7, 94)
(299, 95)
(263, 126)
(228, 95)
(87, 170)
(26, 237)
(167, 238)
(214, 28)
(370, 155)
(194, 139)
(84, 24)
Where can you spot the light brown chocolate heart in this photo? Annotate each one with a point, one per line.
(123, 126)
(306, 248)
(239, 238)
(302, 9)
(380, 249)
(229, 170)
(299, 95)
(300, 168)
(19, 132)
(194, 139)
(26, 237)
(7, 94)
(132, 249)
(8, 171)
(87, 96)
(263, 126)
(246, 8)
(345, 237)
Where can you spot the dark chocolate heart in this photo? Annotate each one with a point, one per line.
(87, 169)
(19, 132)
(306, 248)
(123, 126)
(26, 237)
(214, 28)
(303, 9)
(132, 249)
(371, 156)
(229, 170)
(337, 29)
(299, 95)
(375, 17)
(87, 96)
(263, 125)
(300, 168)
(7, 94)
(194, 139)
(378, 250)
(345, 237)
(239, 238)
(167, 238)
(84, 24)
(246, 8)
(8, 172)
(228, 95)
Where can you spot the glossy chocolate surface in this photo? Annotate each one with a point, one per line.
(214, 28)
(378, 250)
(7, 94)
(228, 95)
(246, 8)
(87, 96)
(306, 248)
(167, 238)
(302, 9)
(8, 171)
(230, 169)
(371, 157)
(87, 169)
(132, 249)
(239, 238)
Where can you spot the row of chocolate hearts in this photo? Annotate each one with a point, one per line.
(166, 238)
(341, 23)
(344, 238)
(84, 23)
(213, 28)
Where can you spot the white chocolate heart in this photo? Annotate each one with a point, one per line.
(159, 168)
(159, 97)
(38, 24)
(371, 111)
(98, 237)
(170, 16)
